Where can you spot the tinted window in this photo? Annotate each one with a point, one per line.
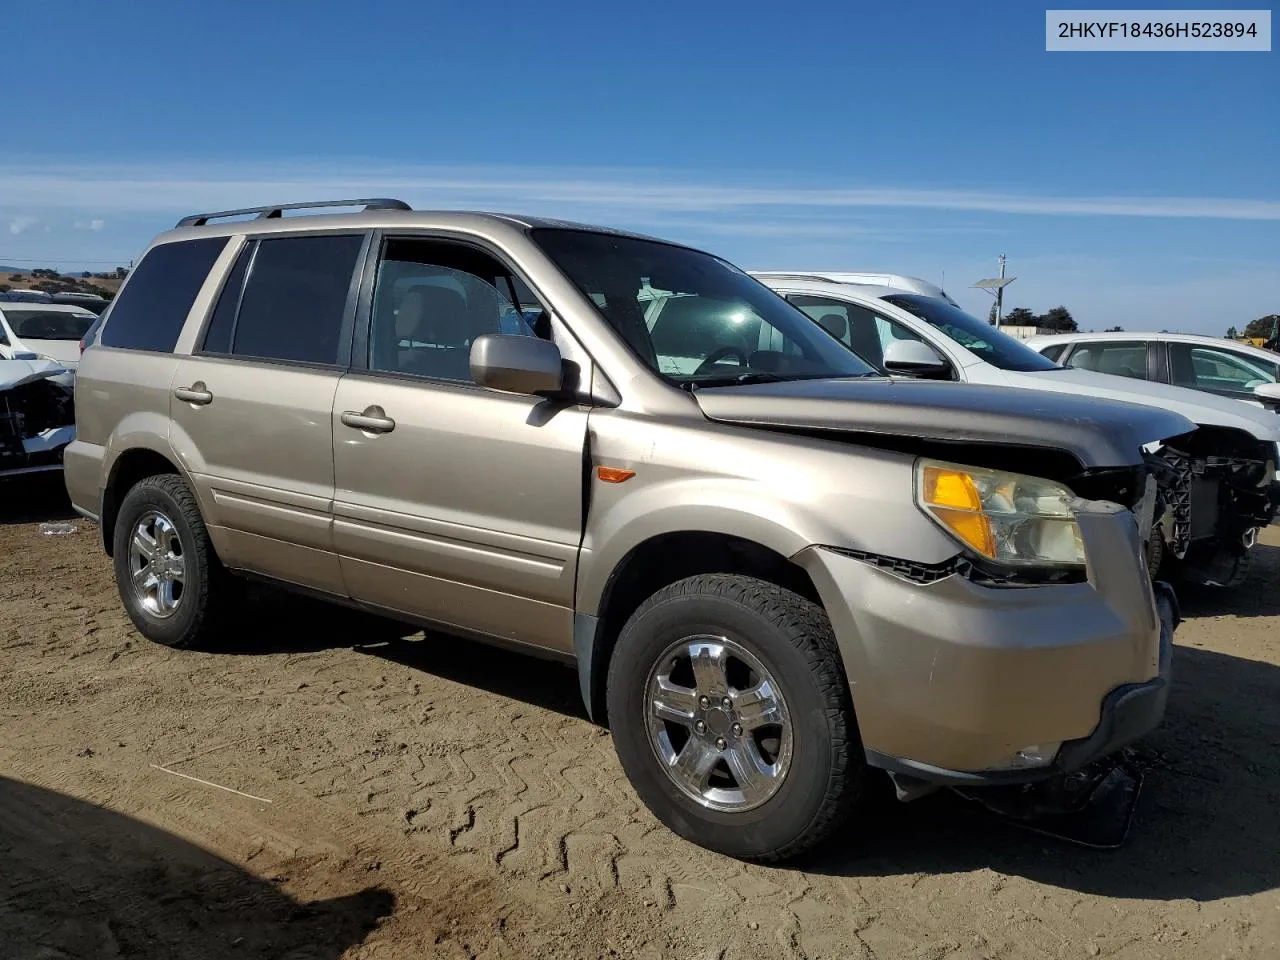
(151, 309)
(1218, 371)
(48, 324)
(977, 336)
(1121, 358)
(295, 299)
(217, 338)
(1053, 351)
(433, 299)
(723, 327)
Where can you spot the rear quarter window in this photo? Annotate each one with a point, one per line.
(1053, 351)
(149, 312)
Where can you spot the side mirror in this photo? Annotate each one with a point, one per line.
(913, 358)
(1268, 394)
(517, 364)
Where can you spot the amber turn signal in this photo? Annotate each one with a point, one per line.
(614, 474)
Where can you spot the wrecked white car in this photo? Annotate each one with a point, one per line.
(37, 415)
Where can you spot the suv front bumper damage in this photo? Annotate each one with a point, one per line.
(956, 683)
(37, 421)
(1213, 505)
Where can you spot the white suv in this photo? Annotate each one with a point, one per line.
(909, 327)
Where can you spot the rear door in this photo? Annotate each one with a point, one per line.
(251, 408)
(1227, 373)
(454, 504)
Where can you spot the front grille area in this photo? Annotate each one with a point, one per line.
(27, 411)
(1173, 472)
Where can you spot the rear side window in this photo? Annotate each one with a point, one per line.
(151, 309)
(1122, 359)
(1053, 351)
(217, 338)
(295, 299)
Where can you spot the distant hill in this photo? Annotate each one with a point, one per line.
(17, 278)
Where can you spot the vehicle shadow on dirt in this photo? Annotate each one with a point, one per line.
(517, 676)
(34, 498)
(273, 621)
(1205, 826)
(83, 881)
(1257, 596)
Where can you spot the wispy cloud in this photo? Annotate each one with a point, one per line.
(182, 187)
(94, 225)
(19, 225)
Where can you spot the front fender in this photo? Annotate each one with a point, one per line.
(690, 505)
(877, 514)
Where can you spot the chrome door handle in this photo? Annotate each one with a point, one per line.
(197, 393)
(371, 419)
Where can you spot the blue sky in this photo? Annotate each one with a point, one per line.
(922, 138)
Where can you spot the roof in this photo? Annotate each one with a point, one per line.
(270, 220)
(1045, 340)
(871, 284)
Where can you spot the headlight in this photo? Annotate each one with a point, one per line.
(1005, 517)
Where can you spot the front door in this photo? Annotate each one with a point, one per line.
(252, 407)
(454, 504)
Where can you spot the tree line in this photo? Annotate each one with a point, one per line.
(1261, 328)
(1056, 320)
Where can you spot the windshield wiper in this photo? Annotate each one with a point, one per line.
(736, 379)
(762, 376)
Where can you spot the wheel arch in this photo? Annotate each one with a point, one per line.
(656, 562)
(128, 469)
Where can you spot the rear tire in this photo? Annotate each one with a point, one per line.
(732, 717)
(170, 580)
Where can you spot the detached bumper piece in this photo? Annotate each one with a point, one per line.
(1092, 807)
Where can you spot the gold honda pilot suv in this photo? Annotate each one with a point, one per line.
(774, 569)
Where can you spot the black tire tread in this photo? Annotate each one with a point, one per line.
(806, 626)
(213, 588)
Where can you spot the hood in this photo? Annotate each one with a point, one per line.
(1099, 433)
(14, 373)
(1205, 409)
(65, 352)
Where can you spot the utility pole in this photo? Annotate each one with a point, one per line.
(995, 286)
(1000, 293)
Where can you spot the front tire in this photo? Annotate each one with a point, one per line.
(732, 717)
(170, 579)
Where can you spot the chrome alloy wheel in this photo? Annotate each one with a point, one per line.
(157, 568)
(718, 722)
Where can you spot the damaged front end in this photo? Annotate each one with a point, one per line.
(1091, 804)
(1217, 488)
(37, 416)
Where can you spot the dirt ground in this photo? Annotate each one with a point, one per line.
(425, 797)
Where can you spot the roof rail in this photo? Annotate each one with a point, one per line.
(277, 211)
(791, 275)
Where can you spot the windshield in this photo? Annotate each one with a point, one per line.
(693, 318)
(981, 339)
(48, 324)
